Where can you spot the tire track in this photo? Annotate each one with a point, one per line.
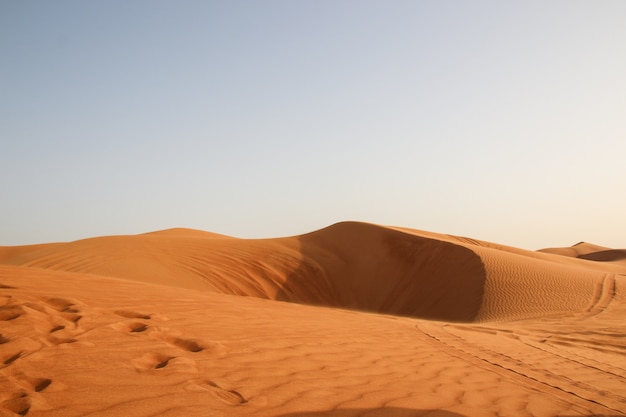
(604, 293)
(577, 393)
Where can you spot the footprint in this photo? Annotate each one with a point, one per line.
(18, 405)
(152, 361)
(31, 384)
(36, 307)
(10, 312)
(57, 328)
(132, 327)
(9, 359)
(62, 305)
(189, 345)
(4, 339)
(72, 317)
(61, 340)
(156, 361)
(6, 287)
(137, 327)
(228, 396)
(16, 348)
(39, 384)
(133, 315)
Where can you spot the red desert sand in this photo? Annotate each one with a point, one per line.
(352, 320)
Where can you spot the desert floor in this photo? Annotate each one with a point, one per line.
(352, 320)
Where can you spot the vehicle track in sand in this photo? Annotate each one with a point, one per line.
(604, 293)
(583, 384)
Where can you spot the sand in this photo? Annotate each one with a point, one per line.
(352, 320)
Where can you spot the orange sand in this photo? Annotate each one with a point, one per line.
(352, 320)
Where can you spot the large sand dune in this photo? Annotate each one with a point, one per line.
(379, 321)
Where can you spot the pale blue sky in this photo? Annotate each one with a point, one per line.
(503, 121)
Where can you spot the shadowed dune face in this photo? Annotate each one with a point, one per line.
(611, 255)
(377, 269)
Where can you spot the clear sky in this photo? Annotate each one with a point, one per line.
(502, 121)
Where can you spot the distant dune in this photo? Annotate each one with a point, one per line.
(380, 321)
(591, 252)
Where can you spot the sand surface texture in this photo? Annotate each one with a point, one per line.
(352, 320)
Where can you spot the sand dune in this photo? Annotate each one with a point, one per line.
(349, 265)
(591, 252)
(381, 321)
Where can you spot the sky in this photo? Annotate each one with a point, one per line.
(501, 121)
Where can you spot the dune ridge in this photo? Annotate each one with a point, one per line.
(348, 265)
